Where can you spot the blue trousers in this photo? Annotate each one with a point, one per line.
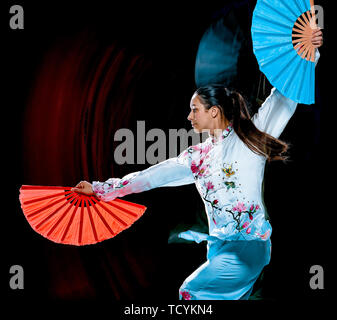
(231, 269)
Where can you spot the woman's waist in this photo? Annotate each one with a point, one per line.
(259, 229)
(247, 220)
(230, 233)
(235, 207)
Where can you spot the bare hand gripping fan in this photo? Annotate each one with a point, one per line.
(281, 33)
(67, 217)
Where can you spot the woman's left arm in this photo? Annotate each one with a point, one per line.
(169, 173)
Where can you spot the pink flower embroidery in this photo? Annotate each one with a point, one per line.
(122, 184)
(199, 170)
(248, 230)
(209, 185)
(254, 208)
(240, 207)
(206, 149)
(264, 236)
(185, 295)
(194, 167)
(245, 225)
(202, 170)
(202, 150)
(103, 188)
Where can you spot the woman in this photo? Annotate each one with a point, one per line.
(228, 170)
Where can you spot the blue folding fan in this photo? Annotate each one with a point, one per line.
(281, 33)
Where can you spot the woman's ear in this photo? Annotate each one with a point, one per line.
(214, 111)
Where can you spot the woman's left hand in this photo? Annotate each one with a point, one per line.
(317, 38)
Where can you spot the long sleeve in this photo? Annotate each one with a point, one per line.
(276, 111)
(172, 172)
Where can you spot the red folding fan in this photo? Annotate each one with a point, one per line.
(67, 217)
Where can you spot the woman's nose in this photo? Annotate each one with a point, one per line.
(189, 117)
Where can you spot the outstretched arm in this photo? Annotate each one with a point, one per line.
(172, 172)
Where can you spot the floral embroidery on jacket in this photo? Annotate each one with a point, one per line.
(238, 210)
(198, 167)
(224, 135)
(229, 173)
(209, 187)
(230, 184)
(185, 295)
(199, 170)
(263, 236)
(113, 184)
(122, 184)
(119, 184)
(228, 170)
(215, 209)
(99, 190)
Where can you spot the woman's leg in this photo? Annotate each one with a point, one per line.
(229, 273)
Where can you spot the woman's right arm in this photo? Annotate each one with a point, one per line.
(172, 172)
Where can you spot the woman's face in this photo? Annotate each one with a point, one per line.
(199, 116)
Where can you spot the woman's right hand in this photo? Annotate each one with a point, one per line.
(84, 187)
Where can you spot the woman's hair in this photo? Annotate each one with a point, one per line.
(234, 108)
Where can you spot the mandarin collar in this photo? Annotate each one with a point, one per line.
(225, 133)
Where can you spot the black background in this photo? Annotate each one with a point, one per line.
(298, 194)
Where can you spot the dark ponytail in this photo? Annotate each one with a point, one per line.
(234, 108)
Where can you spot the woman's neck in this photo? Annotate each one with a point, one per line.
(218, 129)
